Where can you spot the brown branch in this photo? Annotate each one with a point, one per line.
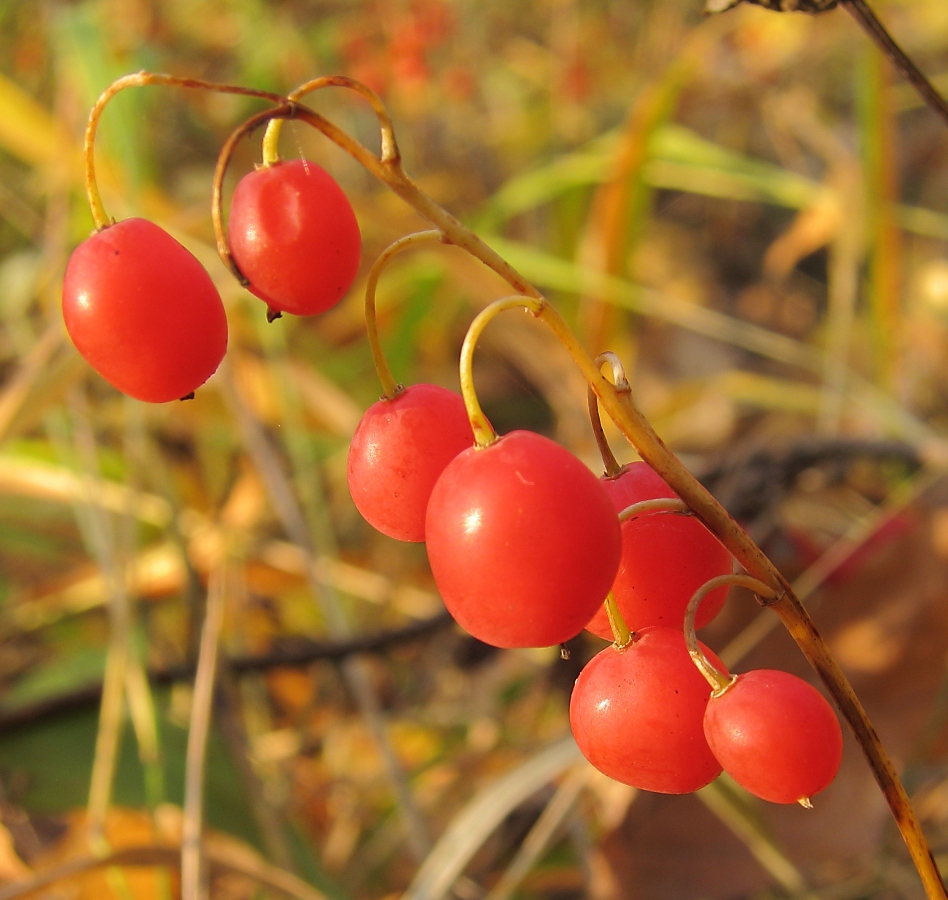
(288, 653)
(868, 21)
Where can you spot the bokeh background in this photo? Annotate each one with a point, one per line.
(750, 209)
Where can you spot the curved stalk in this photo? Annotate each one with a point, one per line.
(719, 681)
(622, 383)
(484, 434)
(271, 138)
(659, 504)
(142, 79)
(390, 388)
(387, 171)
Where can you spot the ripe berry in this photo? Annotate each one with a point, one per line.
(522, 540)
(636, 714)
(397, 453)
(666, 557)
(294, 235)
(144, 312)
(775, 735)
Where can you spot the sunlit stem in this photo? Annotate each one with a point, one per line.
(659, 504)
(141, 79)
(388, 171)
(484, 434)
(389, 386)
(622, 384)
(271, 138)
(718, 680)
(621, 636)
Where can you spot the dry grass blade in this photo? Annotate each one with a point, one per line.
(193, 885)
(729, 804)
(543, 833)
(482, 814)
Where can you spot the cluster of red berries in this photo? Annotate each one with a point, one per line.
(145, 313)
(525, 543)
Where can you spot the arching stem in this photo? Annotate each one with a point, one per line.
(387, 171)
(659, 504)
(718, 680)
(592, 401)
(484, 434)
(142, 79)
(390, 388)
(271, 138)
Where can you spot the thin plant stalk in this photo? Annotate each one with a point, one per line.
(542, 834)
(141, 79)
(271, 138)
(595, 420)
(167, 856)
(870, 23)
(193, 875)
(390, 388)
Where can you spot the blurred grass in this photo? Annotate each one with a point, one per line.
(527, 119)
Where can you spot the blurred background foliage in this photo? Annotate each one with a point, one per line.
(750, 209)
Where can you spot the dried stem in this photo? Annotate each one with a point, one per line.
(167, 856)
(193, 885)
(868, 21)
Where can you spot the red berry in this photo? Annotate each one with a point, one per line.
(294, 235)
(636, 714)
(666, 557)
(522, 540)
(775, 735)
(144, 312)
(397, 453)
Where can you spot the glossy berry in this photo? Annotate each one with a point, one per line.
(397, 453)
(144, 312)
(294, 235)
(522, 540)
(666, 557)
(637, 714)
(775, 735)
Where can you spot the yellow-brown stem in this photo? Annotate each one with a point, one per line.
(142, 79)
(271, 139)
(389, 385)
(592, 401)
(621, 636)
(484, 434)
(659, 504)
(719, 681)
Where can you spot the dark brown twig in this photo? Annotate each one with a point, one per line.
(293, 652)
(868, 21)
